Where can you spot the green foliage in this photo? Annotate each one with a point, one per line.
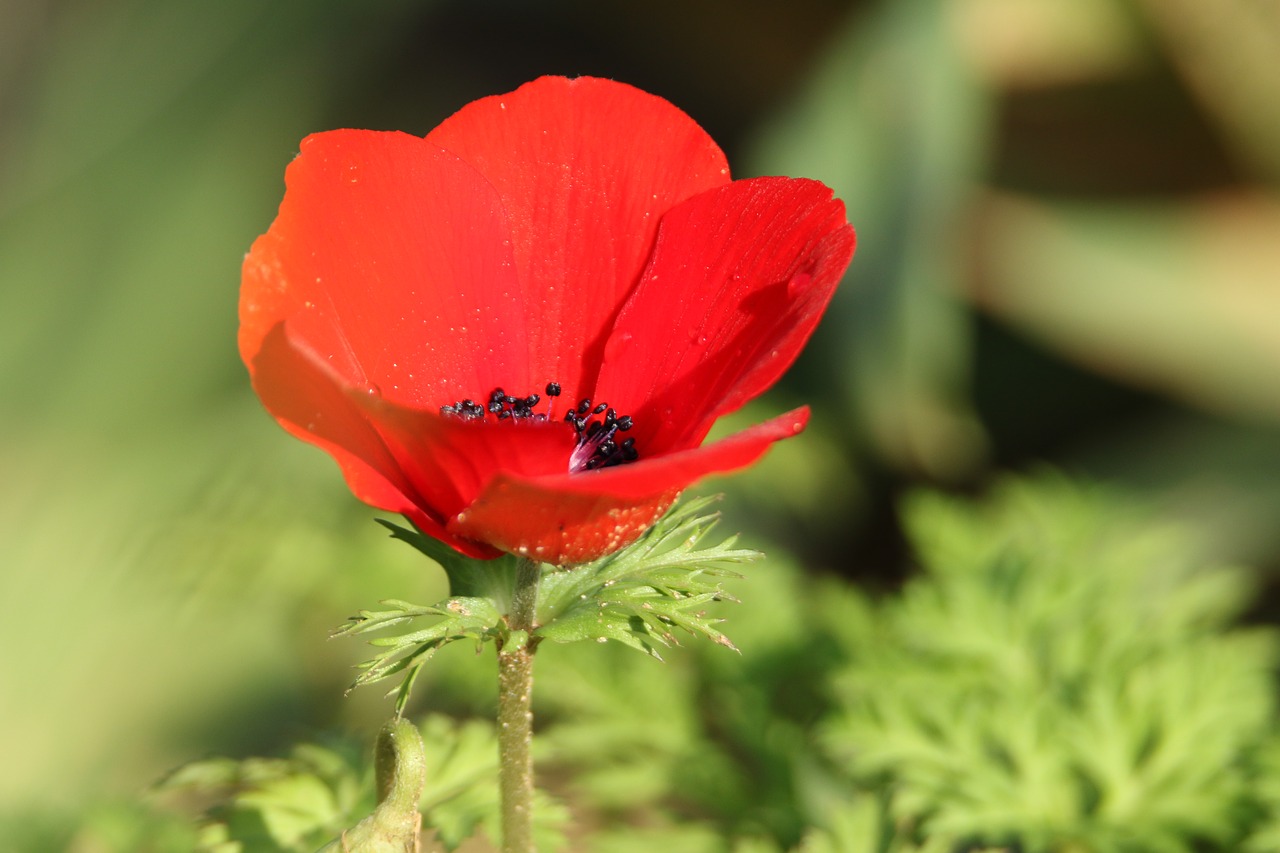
(293, 803)
(637, 596)
(460, 619)
(301, 802)
(1063, 675)
(711, 737)
(1060, 677)
(1266, 839)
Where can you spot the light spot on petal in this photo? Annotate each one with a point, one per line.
(799, 284)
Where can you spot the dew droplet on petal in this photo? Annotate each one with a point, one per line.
(798, 284)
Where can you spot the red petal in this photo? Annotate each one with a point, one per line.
(309, 401)
(585, 168)
(739, 278)
(573, 518)
(390, 258)
(449, 461)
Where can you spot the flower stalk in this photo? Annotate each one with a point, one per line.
(515, 712)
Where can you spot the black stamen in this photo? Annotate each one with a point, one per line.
(597, 444)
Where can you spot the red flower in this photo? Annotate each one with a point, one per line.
(573, 233)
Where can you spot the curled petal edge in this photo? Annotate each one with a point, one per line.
(312, 403)
(574, 518)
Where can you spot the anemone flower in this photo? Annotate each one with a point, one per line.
(518, 330)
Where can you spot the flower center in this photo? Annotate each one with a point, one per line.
(598, 445)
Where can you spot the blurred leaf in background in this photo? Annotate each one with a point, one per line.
(1095, 178)
(1063, 676)
(897, 123)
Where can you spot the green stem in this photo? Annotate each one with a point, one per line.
(515, 714)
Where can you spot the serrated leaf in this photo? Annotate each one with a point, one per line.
(638, 595)
(459, 618)
(598, 623)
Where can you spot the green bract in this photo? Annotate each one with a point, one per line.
(638, 596)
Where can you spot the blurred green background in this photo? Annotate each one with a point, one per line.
(1069, 252)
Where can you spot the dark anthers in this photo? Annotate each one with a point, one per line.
(598, 446)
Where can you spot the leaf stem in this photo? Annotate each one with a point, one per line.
(515, 713)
